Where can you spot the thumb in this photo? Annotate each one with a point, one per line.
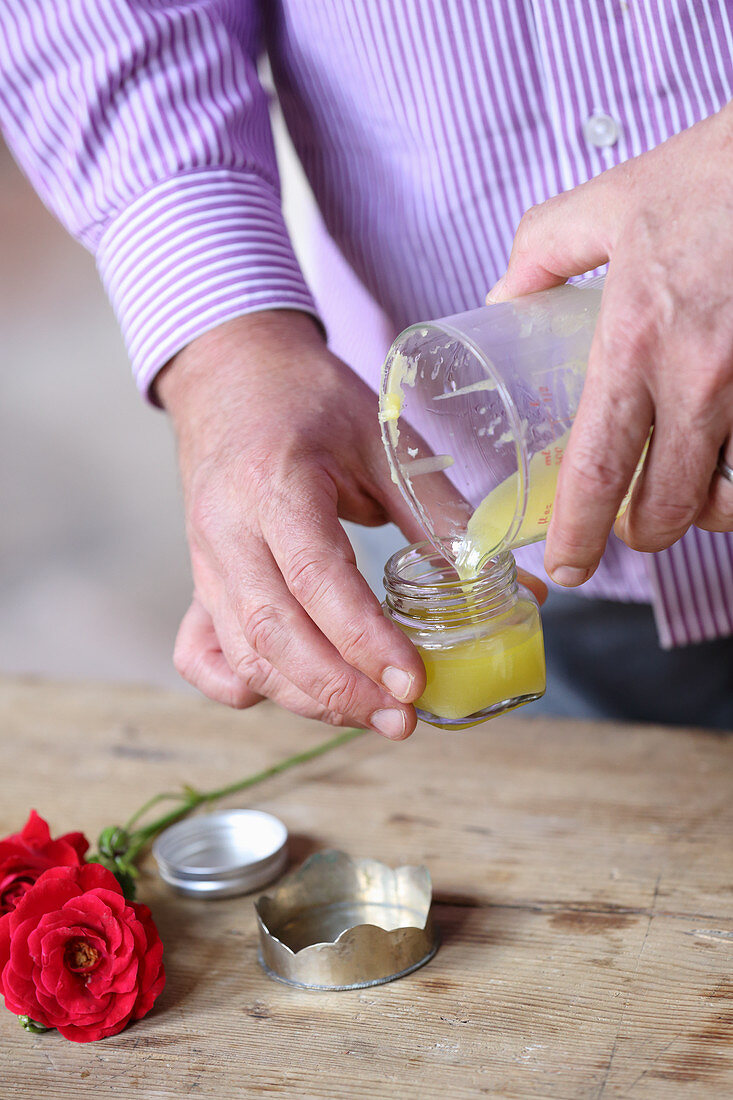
(568, 235)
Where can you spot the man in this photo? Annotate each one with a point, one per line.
(426, 129)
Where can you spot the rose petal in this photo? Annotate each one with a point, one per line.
(91, 1034)
(126, 948)
(18, 991)
(49, 893)
(94, 876)
(108, 1013)
(123, 981)
(35, 832)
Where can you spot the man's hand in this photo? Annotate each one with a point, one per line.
(663, 349)
(277, 438)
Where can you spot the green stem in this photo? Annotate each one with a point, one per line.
(149, 805)
(192, 799)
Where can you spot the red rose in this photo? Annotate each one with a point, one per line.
(24, 856)
(76, 956)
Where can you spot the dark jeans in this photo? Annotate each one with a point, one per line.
(604, 661)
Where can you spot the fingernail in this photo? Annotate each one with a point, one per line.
(496, 290)
(397, 682)
(569, 576)
(389, 722)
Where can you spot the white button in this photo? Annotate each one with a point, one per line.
(601, 130)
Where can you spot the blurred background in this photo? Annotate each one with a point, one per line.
(94, 573)
(93, 567)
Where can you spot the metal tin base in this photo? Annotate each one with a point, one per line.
(341, 923)
(354, 985)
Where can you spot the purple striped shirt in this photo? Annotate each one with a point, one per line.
(426, 128)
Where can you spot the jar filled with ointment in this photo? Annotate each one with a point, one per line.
(479, 639)
(476, 410)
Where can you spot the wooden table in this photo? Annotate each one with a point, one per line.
(583, 882)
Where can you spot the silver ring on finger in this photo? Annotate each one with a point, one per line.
(723, 468)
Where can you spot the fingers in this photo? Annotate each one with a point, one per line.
(593, 479)
(717, 512)
(675, 477)
(199, 660)
(258, 614)
(607, 439)
(318, 564)
(567, 235)
(639, 374)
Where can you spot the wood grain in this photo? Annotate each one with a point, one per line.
(583, 877)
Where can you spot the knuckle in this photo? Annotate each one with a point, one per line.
(357, 642)
(526, 229)
(242, 697)
(715, 518)
(330, 717)
(187, 655)
(705, 391)
(308, 577)
(628, 333)
(251, 671)
(183, 661)
(592, 476)
(258, 475)
(660, 524)
(204, 516)
(261, 627)
(627, 345)
(340, 693)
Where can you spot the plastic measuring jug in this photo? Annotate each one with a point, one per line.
(476, 410)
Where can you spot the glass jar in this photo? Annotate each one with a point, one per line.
(479, 639)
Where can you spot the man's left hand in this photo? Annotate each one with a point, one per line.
(662, 355)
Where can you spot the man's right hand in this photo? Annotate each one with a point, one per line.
(277, 438)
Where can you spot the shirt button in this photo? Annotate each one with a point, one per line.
(601, 130)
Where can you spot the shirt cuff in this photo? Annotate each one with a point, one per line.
(193, 252)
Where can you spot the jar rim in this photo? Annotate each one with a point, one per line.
(489, 590)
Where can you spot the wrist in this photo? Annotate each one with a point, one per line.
(236, 355)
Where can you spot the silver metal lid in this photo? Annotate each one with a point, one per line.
(222, 854)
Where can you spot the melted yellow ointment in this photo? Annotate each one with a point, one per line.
(390, 407)
(401, 373)
(484, 666)
(475, 675)
(492, 521)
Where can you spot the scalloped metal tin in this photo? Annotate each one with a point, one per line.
(222, 854)
(343, 923)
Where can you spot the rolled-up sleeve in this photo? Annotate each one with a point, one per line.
(144, 128)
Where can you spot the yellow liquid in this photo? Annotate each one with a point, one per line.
(488, 526)
(476, 674)
(491, 522)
